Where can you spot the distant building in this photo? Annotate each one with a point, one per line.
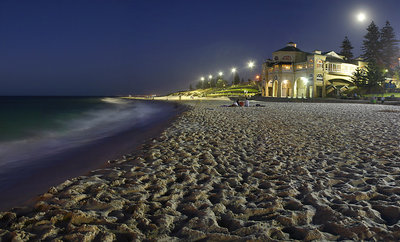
(295, 73)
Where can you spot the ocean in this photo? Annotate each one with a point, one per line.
(36, 131)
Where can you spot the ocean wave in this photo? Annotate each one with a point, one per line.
(89, 126)
(114, 100)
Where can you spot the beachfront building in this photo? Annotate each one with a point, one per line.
(297, 74)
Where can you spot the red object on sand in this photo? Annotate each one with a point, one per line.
(241, 104)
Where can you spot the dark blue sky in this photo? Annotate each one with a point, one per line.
(120, 47)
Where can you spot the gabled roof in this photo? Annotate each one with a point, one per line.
(334, 59)
(333, 54)
(290, 48)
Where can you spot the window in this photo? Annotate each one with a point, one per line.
(301, 66)
(287, 58)
(319, 64)
(286, 67)
(276, 67)
(276, 58)
(335, 67)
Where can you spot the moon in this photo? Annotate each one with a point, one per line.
(361, 17)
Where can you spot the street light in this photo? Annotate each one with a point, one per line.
(250, 64)
(202, 78)
(209, 80)
(233, 70)
(220, 73)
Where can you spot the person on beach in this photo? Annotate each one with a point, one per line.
(383, 100)
(235, 104)
(247, 103)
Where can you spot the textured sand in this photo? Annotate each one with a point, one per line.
(281, 172)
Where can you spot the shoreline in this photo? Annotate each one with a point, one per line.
(285, 171)
(55, 169)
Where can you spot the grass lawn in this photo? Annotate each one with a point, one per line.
(236, 90)
(385, 94)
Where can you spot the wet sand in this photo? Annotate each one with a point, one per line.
(286, 171)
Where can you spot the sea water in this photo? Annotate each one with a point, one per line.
(31, 127)
(38, 129)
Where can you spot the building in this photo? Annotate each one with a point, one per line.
(298, 74)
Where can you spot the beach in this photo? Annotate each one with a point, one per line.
(104, 130)
(280, 171)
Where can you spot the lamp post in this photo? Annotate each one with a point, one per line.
(209, 80)
(220, 74)
(250, 64)
(233, 71)
(202, 82)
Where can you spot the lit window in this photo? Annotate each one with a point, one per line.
(286, 67)
(319, 64)
(287, 58)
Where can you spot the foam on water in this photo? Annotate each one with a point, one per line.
(89, 126)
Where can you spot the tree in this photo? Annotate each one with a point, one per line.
(371, 44)
(242, 80)
(390, 50)
(221, 83)
(213, 82)
(346, 48)
(207, 84)
(375, 77)
(360, 78)
(236, 79)
(370, 79)
(200, 85)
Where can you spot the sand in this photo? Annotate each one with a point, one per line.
(286, 171)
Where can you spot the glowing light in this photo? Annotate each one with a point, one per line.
(202, 78)
(250, 64)
(220, 73)
(361, 17)
(257, 77)
(210, 77)
(305, 80)
(285, 81)
(233, 70)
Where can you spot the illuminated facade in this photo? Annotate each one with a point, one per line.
(298, 74)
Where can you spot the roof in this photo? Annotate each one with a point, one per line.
(334, 59)
(271, 64)
(290, 48)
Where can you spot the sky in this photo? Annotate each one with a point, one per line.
(122, 47)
